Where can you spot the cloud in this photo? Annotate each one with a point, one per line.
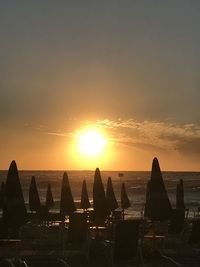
(189, 146)
(58, 134)
(166, 135)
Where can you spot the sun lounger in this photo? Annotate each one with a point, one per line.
(195, 233)
(46, 261)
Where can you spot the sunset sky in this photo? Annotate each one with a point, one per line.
(130, 70)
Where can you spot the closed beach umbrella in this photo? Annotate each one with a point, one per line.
(125, 203)
(14, 210)
(158, 204)
(99, 198)
(67, 205)
(49, 197)
(178, 214)
(85, 203)
(34, 199)
(180, 204)
(110, 196)
(2, 194)
(147, 210)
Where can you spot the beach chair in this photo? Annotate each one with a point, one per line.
(117, 215)
(46, 261)
(19, 263)
(184, 251)
(125, 243)
(187, 210)
(12, 262)
(6, 263)
(195, 233)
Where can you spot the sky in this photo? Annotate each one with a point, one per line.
(129, 69)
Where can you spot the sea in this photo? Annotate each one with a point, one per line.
(135, 182)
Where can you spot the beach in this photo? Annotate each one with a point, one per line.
(140, 226)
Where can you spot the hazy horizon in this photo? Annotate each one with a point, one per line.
(93, 170)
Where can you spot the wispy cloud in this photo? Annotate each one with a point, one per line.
(163, 135)
(58, 134)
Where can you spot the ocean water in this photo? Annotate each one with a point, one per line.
(135, 184)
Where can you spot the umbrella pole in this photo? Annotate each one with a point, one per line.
(123, 214)
(62, 236)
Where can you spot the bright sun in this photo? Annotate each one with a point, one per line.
(91, 143)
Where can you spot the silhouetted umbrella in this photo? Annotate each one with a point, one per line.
(2, 194)
(99, 198)
(110, 196)
(158, 206)
(34, 199)
(49, 197)
(67, 205)
(14, 210)
(147, 210)
(177, 217)
(3, 186)
(180, 205)
(85, 203)
(125, 203)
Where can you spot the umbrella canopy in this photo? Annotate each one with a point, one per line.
(14, 210)
(34, 199)
(49, 197)
(110, 196)
(85, 203)
(125, 203)
(67, 205)
(180, 204)
(158, 206)
(99, 198)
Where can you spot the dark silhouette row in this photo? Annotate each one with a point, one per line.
(123, 234)
(157, 205)
(14, 209)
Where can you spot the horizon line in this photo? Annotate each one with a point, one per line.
(102, 170)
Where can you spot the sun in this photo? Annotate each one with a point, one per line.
(90, 146)
(91, 143)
